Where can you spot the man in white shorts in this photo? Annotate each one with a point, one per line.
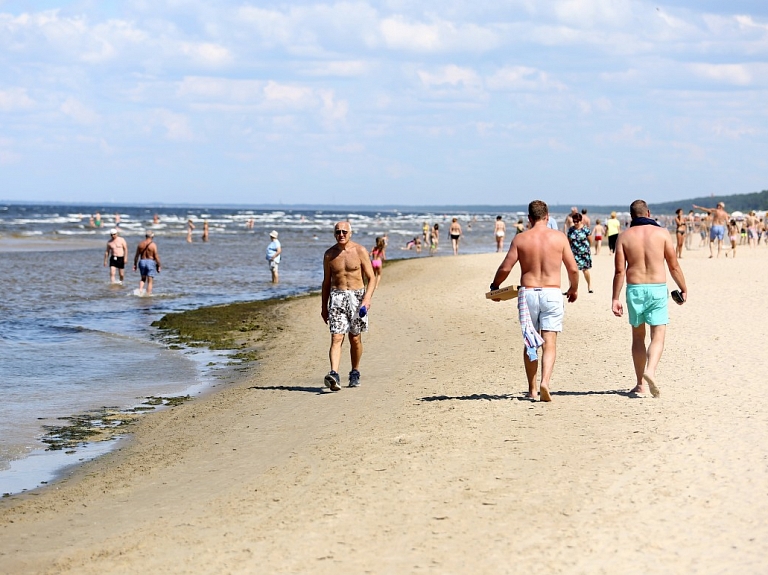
(541, 251)
(346, 300)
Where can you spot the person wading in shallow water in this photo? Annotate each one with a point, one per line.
(116, 253)
(147, 261)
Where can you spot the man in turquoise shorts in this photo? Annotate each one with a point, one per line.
(640, 255)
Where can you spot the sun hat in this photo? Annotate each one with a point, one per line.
(273, 234)
(113, 232)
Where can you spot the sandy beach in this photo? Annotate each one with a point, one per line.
(438, 464)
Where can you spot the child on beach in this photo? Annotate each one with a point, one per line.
(733, 235)
(378, 255)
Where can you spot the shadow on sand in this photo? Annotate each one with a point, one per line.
(315, 390)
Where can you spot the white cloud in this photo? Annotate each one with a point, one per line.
(206, 53)
(15, 99)
(451, 75)
(734, 74)
(79, 111)
(220, 89)
(439, 35)
(339, 68)
(522, 78)
(176, 126)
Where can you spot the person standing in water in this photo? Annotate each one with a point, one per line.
(190, 228)
(147, 261)
(274, 249)
(499, 231)
(455, 232)
(117, 251)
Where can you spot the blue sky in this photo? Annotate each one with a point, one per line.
(392, 102)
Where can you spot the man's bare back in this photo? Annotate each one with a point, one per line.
(645, 249)
(541, 252)
(718, 214)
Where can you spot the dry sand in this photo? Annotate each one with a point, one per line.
(437, 464)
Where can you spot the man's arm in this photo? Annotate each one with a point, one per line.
(572, 268)
(106, 255)
(708, 210)
(619, 272)
(367, 269)
(670, 255)
(157, 258)
(506, 265)
(278, 252)
(326, 289)
(136, 257)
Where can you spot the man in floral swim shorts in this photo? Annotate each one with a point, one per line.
(346, 301)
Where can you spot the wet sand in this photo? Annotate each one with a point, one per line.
(437, 463)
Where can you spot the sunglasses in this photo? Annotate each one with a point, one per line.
(342, 232)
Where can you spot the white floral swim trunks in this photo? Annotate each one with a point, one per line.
(343, 312)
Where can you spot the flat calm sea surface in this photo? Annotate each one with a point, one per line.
(72, 342)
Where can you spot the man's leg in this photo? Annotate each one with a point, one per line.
(719, 248)
(655, 348)
(150, 281)
(334, 354)
(548, 356)
(355, 350)
(711, 251)
(122, 274)
(112, 274)
(531, 367)
(639, 357)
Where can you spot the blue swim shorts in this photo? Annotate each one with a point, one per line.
(716, 233)
(545, 305)
(647, 303)
(147, 268)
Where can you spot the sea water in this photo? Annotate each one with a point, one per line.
(71, 342)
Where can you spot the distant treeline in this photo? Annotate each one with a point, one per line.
(740, 202)
(735, 202)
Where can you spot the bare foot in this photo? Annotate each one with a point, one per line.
(639, 391)
(545, 393)
(652, 385)
(531, 395)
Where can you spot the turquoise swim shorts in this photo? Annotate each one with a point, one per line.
(647, 303)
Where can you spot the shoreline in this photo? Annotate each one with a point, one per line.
(99, 431)
(437, 463)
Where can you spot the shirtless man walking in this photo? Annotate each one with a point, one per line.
(346, 301)
(117, 251)
(147, 261)
(718, 230)
(641, 252)
(541, 252)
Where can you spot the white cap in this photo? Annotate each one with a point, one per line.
(273, 234)
(113, 232)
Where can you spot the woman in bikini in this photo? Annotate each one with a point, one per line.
(681, 227)
(455, 232)
(378, 255)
